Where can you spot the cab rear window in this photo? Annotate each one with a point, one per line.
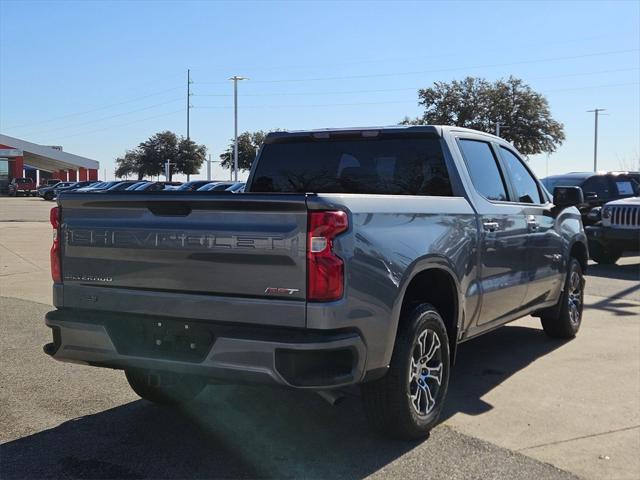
(392, 166)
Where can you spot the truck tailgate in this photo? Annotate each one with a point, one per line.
(187, 246)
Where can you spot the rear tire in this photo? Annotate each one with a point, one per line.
(164, 388)
(408, 400)
(602, 254)
(564, 320)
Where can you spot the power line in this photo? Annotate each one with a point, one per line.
(308, 105)
(386, 102)
(579, 74)
(408, 101)
(82, 124)
(360, 61)
(416, 72)
(592, 86)
(122, 124)
(286, 94)
(381, 90)
(346, 92)
(104, 107)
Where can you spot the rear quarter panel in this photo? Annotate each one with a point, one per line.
(391, 239)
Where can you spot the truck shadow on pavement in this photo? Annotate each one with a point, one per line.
(619, 272)
(253, 432)
(616, 301)
(485, 362)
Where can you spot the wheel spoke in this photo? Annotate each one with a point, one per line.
(430, 402)
(422, 342)
(413, 370)
(434, 346)
(416, 399)
(573, 313)
(435, 373)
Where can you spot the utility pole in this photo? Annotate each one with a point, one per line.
(547, 165)
(209, 168)
(235, 79)
(596, 113)
(189, 82)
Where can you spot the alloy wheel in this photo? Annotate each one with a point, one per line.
(574, 298)
(425, 372)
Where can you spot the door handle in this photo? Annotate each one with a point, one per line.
(532, 223)
(491, 226)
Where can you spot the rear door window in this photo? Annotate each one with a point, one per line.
(484, 170)
(392, 166)
(525, 186)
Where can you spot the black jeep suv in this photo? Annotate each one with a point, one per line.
(598, 187)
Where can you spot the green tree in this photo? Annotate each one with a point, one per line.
(479, 104)
(248, 144)
(190, 157)
(150, 157)
(127, 165)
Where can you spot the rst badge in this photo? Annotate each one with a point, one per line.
(280, 291)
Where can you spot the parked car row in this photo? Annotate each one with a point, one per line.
(51, 192)
(208, 186)
(610, 211)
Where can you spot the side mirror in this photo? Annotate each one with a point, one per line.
(564, 197)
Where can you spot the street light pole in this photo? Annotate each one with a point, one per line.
(235, 79)
(498, 125)
(596, 112)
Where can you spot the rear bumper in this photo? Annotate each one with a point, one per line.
(298, 358)
(618, 238)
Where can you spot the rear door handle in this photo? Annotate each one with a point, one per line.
(491, 226)
(532, 223)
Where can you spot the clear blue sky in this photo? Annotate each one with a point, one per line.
(99, 77)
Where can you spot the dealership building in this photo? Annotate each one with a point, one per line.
(19, 158)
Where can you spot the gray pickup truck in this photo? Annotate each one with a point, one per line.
(355, 257)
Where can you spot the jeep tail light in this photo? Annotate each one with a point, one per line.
(325, 270)
(56, 268)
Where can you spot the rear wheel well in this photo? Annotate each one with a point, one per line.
(579, 252)
(438, 288)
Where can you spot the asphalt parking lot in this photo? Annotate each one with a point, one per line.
(520, 405)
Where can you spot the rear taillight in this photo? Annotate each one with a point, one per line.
(56, 269)
(325, 270)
